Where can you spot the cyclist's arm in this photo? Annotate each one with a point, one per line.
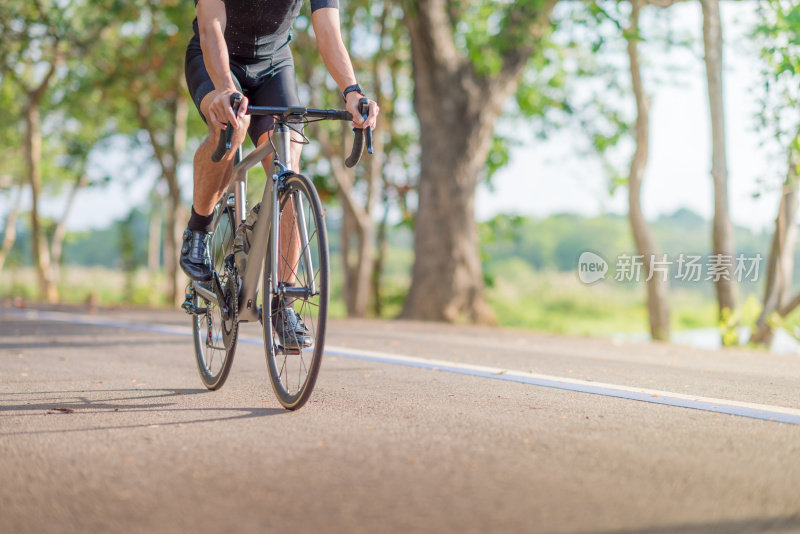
(337, 60)
(211, 20)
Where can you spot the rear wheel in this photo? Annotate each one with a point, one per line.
(294, 321)
(215, 328)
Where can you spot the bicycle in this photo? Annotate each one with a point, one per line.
(295, 275)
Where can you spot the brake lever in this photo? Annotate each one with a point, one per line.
(236, 99)
(363, 108)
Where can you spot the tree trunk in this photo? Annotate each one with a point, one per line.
(33, 155)
(358, 226)
(345, 237)
(57, 244)
(380, 260)
(657, 287)
(723, 228)
(447, 280)
(456, 108)
(363, 269)
(357, 223)
(175, 218)
(168, 157)
(10, 234)
(154, 239)
(781, 256)
(171, 240)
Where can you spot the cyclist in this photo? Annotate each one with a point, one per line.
(242, 46)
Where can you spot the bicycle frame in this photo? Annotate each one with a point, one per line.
(281, 140)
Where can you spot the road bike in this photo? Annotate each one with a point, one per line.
(245, 251)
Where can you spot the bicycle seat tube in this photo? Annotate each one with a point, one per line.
(238, 188)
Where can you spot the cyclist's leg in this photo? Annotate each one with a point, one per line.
(278, 87)
(210, 179)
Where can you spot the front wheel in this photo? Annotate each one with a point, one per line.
(294, 319)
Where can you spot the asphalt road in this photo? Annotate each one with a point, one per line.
(108, 429)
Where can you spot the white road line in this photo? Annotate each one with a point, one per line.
(698, 402)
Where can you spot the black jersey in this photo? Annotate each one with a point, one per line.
(255, 29)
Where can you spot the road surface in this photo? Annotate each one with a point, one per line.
(105, 427)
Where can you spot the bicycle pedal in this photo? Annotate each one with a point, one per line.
(187, 305)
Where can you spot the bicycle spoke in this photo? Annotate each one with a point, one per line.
(294, 362)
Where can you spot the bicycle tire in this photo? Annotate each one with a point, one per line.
(282, 363)
(213, 360)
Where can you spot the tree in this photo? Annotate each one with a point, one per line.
(43, 43)
(382, 71)
(11, 180)
(10, 227)
(657, 286)
(722, 236)
(777, 31)
(608, 122)
(149, 92)
(30, 40)
(460, 88)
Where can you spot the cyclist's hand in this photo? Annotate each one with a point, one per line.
(352, 106)
(221, 113)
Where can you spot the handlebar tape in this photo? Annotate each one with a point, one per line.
(358, 140)
(220, 151)
(224, 143)
(358, 148)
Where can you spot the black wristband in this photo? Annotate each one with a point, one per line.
(351, 88)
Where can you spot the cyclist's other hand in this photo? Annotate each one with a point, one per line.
(221, 112)
(353, 99)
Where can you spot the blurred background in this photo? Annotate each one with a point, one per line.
(513, 137)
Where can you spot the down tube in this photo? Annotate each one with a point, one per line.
(255, 257)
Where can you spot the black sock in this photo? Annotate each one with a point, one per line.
(201, 223)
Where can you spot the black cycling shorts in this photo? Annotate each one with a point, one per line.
(269, 81)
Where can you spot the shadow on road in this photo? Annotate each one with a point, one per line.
(76, 403)
(756, 524)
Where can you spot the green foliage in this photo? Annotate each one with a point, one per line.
(558, 302)
(592, 38)
(382, 65)
(779, 96)
(499, 156)
(555, 242)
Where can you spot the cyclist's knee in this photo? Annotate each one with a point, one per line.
(239, 135)
(296, 148)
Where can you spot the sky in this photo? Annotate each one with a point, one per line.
(545, 177)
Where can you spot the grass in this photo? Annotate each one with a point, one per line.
(520, 296)
(395, 282)
(559, 302)
(98, 285)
